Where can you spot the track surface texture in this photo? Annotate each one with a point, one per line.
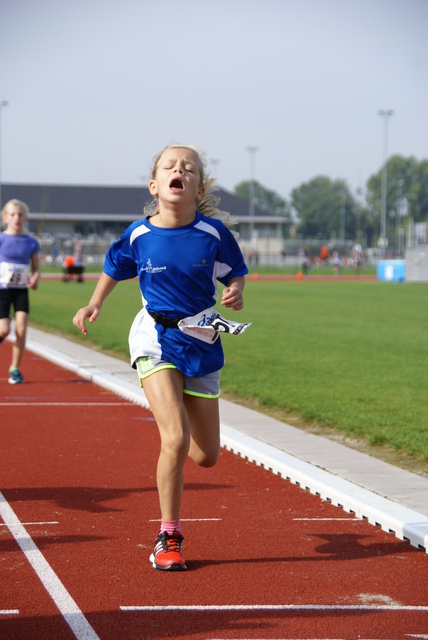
(266, 560)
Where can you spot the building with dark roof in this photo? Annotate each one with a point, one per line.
(104, 210)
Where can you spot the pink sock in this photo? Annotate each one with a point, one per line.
(170, 526)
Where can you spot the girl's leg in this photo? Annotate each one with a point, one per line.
(164, 392)
(187, 425)
(21, 321)
(4, 327)
(204, 421)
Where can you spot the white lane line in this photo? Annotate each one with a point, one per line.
(193, 520)
(9, 612)
(279, 607)
(200, 519)
(66, 404)
(350, 519)
(30, 524)
(65, 603)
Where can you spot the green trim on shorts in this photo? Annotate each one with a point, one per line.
(204, 387)
(145, 367)
(201, 395)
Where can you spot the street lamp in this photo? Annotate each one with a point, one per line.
(3, 103)
(385, 114)
(252, 151)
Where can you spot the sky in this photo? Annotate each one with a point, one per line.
(96, 88)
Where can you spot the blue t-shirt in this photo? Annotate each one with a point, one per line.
(15, 256)
(178, 269)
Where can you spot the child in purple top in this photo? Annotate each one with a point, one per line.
(19, 271)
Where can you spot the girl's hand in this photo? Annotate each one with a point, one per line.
(91, 311)
(33, 281)
(105, 285)
(232, 297)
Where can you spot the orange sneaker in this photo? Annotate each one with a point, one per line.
(167, 555)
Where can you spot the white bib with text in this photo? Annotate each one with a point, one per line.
(14, 275)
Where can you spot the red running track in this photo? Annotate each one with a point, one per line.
(267, 560)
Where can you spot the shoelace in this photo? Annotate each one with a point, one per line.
(169, 542)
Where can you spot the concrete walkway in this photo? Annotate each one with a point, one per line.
(387, 496)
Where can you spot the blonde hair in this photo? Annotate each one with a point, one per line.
(210, 201)
(17, 203)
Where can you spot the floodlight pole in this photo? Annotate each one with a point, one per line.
(252, 151)
(3, 103)
(386, 114)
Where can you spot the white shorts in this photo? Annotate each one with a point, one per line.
(207, 386)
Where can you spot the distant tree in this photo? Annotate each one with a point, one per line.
(263, 198)
(320, 204)
(406, 178)
(418, 196)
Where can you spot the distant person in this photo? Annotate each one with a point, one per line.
(305, 260)
(77, 253)
(357, 258)
(178, 252)
(19, 271)
(324, 253)
(336, 261)
(69, 261)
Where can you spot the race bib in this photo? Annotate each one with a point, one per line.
(208, 325)
(14, 275)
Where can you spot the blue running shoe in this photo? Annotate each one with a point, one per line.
(15, 377)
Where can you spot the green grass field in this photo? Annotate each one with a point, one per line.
(351, 355)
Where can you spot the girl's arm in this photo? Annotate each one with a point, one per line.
(35, 274)
(232, 294)
(105, 286)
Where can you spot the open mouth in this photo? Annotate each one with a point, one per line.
(176, 184)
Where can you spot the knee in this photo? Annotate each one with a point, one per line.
(4, 331)
(20, 331)
(206, 459)
(208, 462)
(175, 444)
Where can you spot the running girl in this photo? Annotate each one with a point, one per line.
(18, 253)
(178, 251)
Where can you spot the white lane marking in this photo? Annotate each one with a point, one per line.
(193, 520)
(65, 603)
(279, 607)
(66, 404)
(9, 612)
(200, 519)
(350, 519)
(30, 524)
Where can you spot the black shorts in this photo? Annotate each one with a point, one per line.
(18, 298)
